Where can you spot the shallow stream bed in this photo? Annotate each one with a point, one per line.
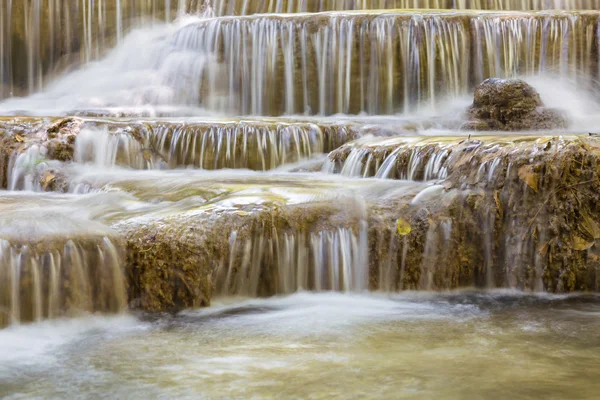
(463, 345)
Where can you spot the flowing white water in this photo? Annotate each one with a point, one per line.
(146, 69)
(56, 259)
(275, 65)
(138, 230)
(245, 7)
(372, 346)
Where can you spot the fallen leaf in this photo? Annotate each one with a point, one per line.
(46, 180)
(403, 227)
(580, 243)
(543, 249)
(527, 175)
(589, 226)
(19, 138)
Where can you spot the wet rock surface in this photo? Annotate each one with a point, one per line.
(449, 212)
(511, 105)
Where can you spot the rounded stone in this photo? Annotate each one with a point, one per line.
(511, 105)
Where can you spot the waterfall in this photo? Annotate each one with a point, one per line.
(285, 263)
(247, 7)
(71, 278)
(257, 145)
(55, 260)
(375, 63)
(40, 38)
(396, 158)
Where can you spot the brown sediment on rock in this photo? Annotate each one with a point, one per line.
(511, 105)
(183, 260)
(60, 276)
(257, 144)
(17, 135)
(240, 7)
(520, 212)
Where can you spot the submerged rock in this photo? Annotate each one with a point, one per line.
(511, 105)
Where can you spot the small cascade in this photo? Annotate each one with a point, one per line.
(285, 263)
(381, 63)
(256, 145)
(245, 144)
(564, 44)
(435, 272)
(59, 280)
(55, 260)
(415, 159)
(247, 7)
(106, 149)
(39, 38)
(26, 168)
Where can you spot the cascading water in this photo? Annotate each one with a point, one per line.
(247, 7)
(48, 36)
(55, 262)
(265, 184)
(375, 63)
(39, 38)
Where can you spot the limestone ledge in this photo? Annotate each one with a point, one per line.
(509, 211)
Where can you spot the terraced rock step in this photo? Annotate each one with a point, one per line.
(55, 261)
(535, 200)
(381, 62)
(516, 212)
(374, 62)
(258, 144)
(473, 158)
(246, 7)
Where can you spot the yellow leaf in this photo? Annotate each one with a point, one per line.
(46, 180)
(403, 227)
(543, 249)
(19, 138)
(580, 243)
(527, 175)
(589, 226)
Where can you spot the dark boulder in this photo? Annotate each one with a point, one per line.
(511, 105)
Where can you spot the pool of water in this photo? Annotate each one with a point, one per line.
(462, 345)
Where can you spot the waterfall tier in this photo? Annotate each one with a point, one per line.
(169, 177)
(41, 38)
(54, 261)
(370, 62)
(484, 211)
(33, 146)
(246, 7)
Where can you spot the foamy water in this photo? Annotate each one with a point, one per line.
(459, 345)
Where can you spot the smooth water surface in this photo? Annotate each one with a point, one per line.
(467, 345)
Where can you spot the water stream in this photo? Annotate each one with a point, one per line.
(278, 199)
